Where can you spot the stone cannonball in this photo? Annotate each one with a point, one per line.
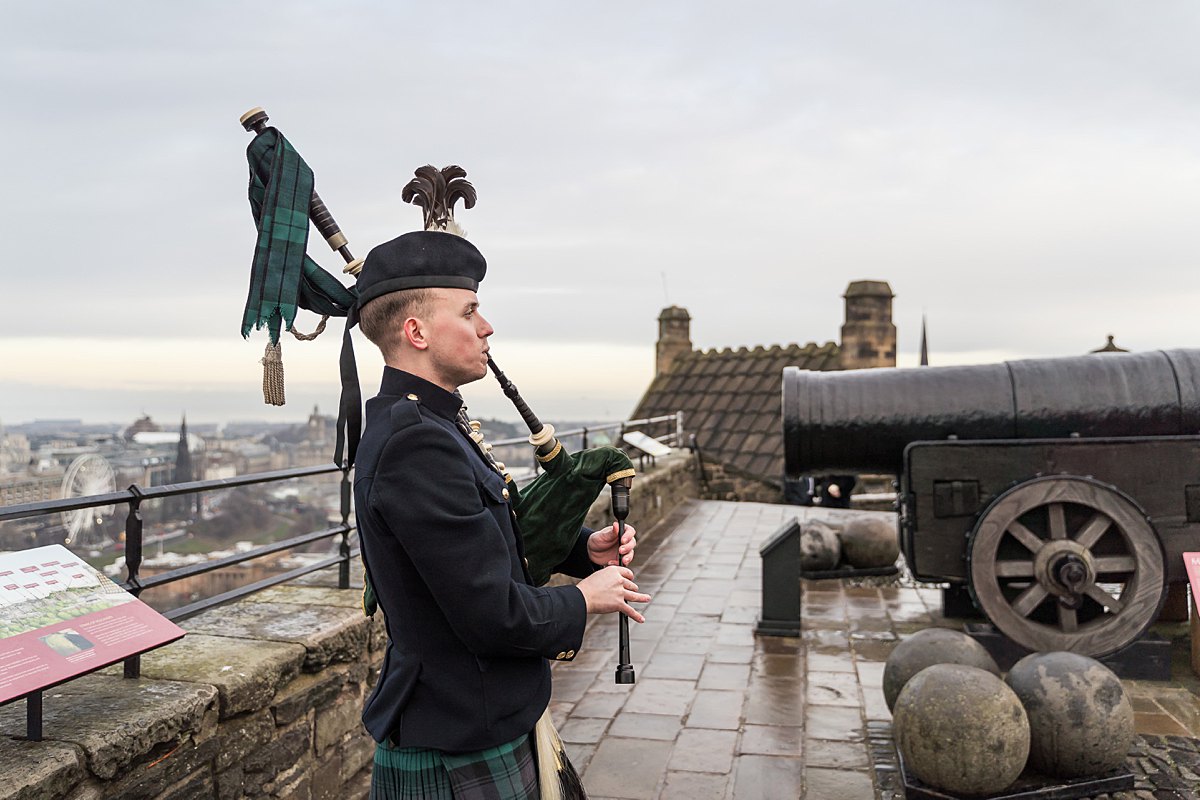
(870, 542)
(820, 548)
(926, 648)
(961, 729)
(1080, 719)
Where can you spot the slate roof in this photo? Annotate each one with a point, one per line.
(731, 401)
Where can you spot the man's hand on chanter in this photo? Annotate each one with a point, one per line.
(612, 589)
(602, 546)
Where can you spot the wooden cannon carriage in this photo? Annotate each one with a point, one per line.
(1062, 491)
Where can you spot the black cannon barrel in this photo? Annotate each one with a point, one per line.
(862, 420)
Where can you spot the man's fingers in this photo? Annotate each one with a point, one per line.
(632, 613)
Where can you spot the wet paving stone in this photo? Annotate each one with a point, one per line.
(583, 730)
(775, 701)
(837, 784)
(659, 727)
(774, 665)
(725, 654)
(830, 662)
(772, 740)
(768, 778)
(836, 755)
(724, 676)
(690, 645)
(694, 786)
(834, 722)
(674, 665)
(580, 755)
(833, 689)
(700, 750)
(661, 696)
(627, 768)
(598, 704)
(716, 709)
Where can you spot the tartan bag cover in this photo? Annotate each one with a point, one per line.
(282, 276)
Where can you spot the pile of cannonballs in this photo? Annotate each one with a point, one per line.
(860, 542)
(961, 729)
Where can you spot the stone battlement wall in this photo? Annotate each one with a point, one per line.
(261, 699)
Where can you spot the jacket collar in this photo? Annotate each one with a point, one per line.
(435, 398)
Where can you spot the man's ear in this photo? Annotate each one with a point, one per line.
(413, 332)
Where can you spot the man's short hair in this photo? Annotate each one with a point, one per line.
(381, 318)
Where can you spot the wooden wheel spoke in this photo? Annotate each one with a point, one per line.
(1025, 536)
(1067, 619)
(1105, 564)
(1058, 521)
(1104, 598)
(1014, 569)
(1091, 532)
(1029, 600)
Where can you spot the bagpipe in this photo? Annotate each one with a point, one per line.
(552, 507)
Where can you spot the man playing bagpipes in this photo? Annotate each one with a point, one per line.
(461, 706)
(465, 677)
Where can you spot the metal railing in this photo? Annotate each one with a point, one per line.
(671, 424)
(136, 495)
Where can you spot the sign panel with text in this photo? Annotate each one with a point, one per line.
(1191, 562)
(60, 618)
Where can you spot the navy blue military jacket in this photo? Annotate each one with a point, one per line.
(469, 636)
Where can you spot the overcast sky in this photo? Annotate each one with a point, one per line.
(1026, 174)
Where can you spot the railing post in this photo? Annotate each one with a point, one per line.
(583, 445)
(33, 716)
(679, 429)
(344, 547)
(133, 562)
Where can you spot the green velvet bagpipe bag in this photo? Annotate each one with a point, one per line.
(552, 507)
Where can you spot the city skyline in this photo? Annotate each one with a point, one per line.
(1022, 174)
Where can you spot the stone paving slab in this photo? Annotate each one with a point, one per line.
(718, 712)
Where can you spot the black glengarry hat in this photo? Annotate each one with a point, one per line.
(420, 260)
(437, 257)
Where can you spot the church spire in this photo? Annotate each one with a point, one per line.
(924, 344)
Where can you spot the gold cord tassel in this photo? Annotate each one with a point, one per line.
(272, 362)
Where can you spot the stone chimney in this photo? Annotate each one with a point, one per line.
(868, 335)
(674, 338)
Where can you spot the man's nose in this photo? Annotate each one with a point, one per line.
(485, 327)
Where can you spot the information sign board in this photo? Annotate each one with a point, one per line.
(60, 618)
(649, 446)
(1191, 562)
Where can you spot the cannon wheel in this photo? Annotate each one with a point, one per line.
(1067, 563)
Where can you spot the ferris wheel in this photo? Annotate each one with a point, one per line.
(88, 475)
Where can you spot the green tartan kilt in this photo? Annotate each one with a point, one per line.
(505, 772)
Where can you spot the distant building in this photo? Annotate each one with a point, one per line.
(143, 425)
(1110, 347)
(731, 398)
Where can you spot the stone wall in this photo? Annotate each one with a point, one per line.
(722, 483)
(262, 699)
(658, 487)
